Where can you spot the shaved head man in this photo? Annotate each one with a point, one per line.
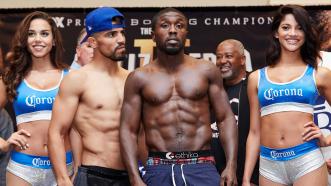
(231, 61)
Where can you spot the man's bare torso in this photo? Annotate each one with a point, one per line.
(98, 114)
(176, 106)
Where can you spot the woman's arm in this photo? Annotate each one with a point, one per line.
(253, 140)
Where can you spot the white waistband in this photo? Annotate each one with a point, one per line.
(34, 116)
(285, 107)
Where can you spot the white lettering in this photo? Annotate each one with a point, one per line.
(217, 21)
(246, 19)
(193, 21)
(236, 21)
(134, 22)
(300, 92)
(33, 100)
(260, 20)
(270, 94)
(181, 155)
(208, 21)
(275, 154)
(253, 20)
(69, 21)
(39, 162)
(77, 22)
(147, 22)
(59, 21)
(145, 31)
(226, 21)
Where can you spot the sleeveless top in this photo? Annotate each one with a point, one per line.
(299, 94)
(32, 104)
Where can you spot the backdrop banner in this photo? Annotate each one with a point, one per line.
(207, 27)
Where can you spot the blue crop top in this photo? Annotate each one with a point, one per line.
(32, 104)
(299, 94)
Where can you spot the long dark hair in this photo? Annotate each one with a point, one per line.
(309, 50)
(19, 58)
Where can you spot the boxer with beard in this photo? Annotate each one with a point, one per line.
(90, 100)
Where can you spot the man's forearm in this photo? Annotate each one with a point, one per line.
(229, 141)
(129, 152)
(58, 156)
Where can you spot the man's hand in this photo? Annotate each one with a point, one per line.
(64, 182)
(138, 182)
(228, 176)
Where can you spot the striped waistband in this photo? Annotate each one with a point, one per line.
(41, 162)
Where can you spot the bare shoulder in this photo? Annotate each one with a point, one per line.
(138, 76)
(200, 62)
(322, 72)
(142, 72)
(322, 75)
(74, 80)
(202, 65)
(254, 76)
(253, 80)
(76, 75)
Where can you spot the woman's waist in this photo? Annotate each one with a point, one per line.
(38, 139)
(283, 133)
(37, 144)
(281, 139)
(38, 148)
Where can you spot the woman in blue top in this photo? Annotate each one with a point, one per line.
(31, 82)
(281, 98)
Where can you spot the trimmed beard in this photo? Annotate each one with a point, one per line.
(118, 56)
(115, 57)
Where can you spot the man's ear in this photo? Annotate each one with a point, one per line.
(153, 35)
(77, 51)
(243, 60)
(92, 42)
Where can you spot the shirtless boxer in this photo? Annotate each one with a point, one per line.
(172, 96)
(90, 100)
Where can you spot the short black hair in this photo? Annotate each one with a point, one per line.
(163, 11)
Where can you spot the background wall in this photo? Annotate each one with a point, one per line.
(150, 3)
(207, 27)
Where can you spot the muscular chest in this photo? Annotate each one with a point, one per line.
(161, 88)
(104, 94)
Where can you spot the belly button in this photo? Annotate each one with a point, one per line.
(282, 138)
